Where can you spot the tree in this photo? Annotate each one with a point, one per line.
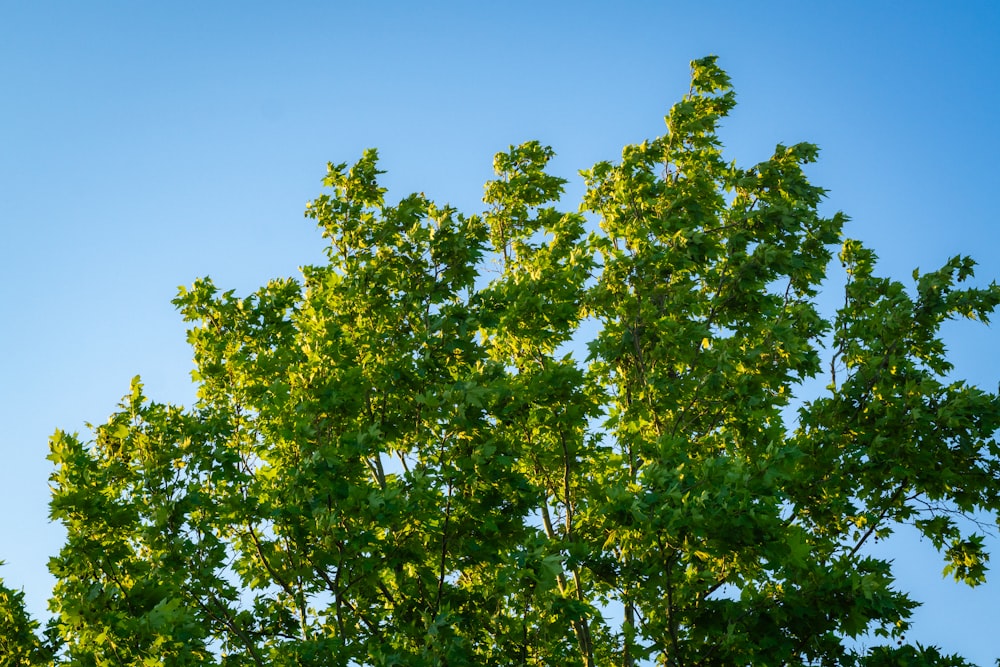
(414, 455)
(19, 645)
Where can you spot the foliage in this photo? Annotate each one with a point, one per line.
(19, 643)
(404, 459)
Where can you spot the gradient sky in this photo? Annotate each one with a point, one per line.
(143, 146)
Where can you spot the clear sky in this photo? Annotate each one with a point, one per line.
(143, 145)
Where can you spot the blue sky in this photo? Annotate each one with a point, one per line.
(143, 146)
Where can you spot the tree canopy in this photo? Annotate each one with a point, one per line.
(535, 436)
